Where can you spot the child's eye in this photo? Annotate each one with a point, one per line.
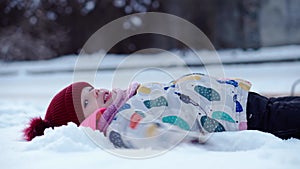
(85, 103)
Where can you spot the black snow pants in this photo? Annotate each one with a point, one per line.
(279, 116)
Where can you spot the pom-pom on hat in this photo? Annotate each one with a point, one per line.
(65, 107)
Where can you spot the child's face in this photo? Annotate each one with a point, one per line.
(92, 99)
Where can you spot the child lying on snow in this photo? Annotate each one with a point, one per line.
(158, 115)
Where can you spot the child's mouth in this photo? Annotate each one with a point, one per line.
(106, 97)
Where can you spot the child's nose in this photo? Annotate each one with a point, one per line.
(96, 92)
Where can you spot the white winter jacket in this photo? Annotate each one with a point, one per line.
(189, 109)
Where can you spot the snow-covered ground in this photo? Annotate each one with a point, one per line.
(27, 87)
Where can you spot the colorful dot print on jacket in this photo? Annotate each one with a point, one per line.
(143, 89)
(222, 116)
(136, 118)
(211, 125)
(186, 99)
(209, 93)
(158, 102)
(116, 139)
(238, 106)
(191, 77)
(124, 107)
(177, 121)
(231, 82)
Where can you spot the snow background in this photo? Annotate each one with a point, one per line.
(26, 89)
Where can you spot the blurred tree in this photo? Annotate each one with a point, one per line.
(29, 30)
(42, 29)
(36, 29)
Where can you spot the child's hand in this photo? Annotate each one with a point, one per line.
(93, 119)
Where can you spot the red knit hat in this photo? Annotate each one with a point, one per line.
(65, 107)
